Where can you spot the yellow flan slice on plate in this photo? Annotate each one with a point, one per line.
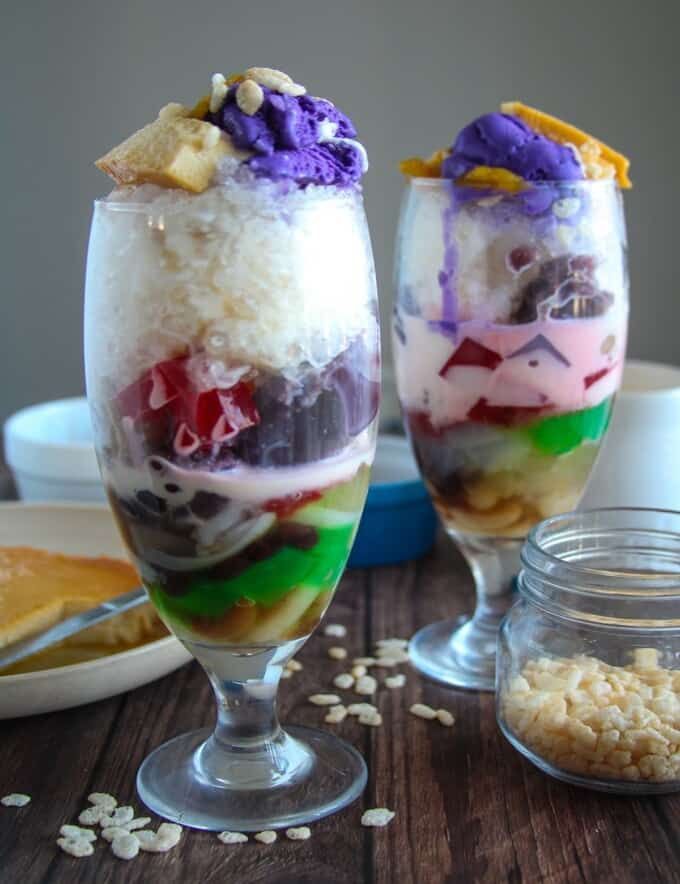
(38, 589)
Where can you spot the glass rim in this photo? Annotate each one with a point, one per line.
(439, 182)
(589, 580)
(135, 207)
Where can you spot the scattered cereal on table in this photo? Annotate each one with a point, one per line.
(344, 681)
(444, 717)
(120, 816)
(377, 816)
(394, 655)
(16, 799)
(77, 832)
(103, 799)
(361, 708)
(167, 837)
(77, 847)
(395, 681)
(398, 643)
(366, 685)
(336, 653)
(137, 823)
(266, 837)
(302, 833)
(324, 699)
(337, 630)
(232, 837)
(125, 846)
(111, 832)
(364, 661)
(336, 714)
(372, 719)
(420, 710)
(92, 815)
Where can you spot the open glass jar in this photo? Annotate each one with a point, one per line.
(588, 666)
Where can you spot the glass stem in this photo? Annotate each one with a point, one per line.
(248, 749)
(246, 713)
(494, 563)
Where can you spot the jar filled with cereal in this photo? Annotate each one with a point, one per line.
(588, 666)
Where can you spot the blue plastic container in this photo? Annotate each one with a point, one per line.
(399, 522)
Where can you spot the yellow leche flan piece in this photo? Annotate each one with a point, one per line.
(424, 167)
(39, 589)
(176, 150)
(599, 160)
(493, 177)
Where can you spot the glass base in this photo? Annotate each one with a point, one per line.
(303, 775)
(460, 653)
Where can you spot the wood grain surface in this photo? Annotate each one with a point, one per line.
(468, 807)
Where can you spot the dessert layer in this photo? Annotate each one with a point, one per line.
(252, 273)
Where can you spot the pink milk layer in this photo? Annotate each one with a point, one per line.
(559, 365)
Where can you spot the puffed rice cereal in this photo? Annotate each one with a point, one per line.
(266, 837)
(77, 832)
(336, 714)
(301, 833)
(420, 710)
(125, 846)
(16, 799)
(337, 630)
(344, 681)
(366, 685)
(77, 847)
(232, 837)
(590, 718)
(324, 699)
(103, 799)
(377, 816)
(395, 681)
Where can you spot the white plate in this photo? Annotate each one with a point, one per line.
(86, 530)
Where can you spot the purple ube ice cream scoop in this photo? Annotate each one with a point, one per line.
(506, 142)
(299, 138)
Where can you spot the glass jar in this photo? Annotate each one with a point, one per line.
(588, 674)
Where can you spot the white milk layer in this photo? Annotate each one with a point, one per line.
(247, 485)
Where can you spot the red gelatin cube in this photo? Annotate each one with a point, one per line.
(282, 507)
(186, 441)
(596, 376)
(167, 392)
(472, 353)
(504, 415)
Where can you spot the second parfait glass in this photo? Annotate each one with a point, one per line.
(232, 355)
(509, 338)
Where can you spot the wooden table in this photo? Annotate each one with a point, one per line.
(468, 807)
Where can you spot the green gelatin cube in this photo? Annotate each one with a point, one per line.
(268, 581)
(564, 432)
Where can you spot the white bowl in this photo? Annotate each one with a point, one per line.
(50, 451)
(638, 464)
(79, 530)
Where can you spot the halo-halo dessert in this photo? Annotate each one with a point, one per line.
(509, 329)
(233, 362)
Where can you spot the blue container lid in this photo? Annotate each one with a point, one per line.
(399, 522)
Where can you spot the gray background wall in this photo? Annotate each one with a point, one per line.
(76, 77)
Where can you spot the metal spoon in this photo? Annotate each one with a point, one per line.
(72, 625)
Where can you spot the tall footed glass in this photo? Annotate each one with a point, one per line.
(232, 355)
(509, 338)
